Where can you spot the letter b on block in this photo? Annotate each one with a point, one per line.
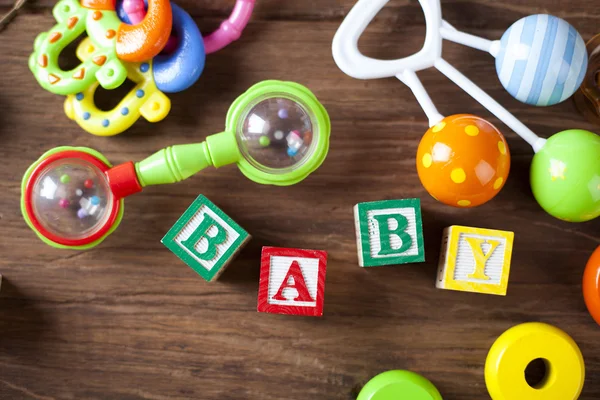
(206, 238)
(201, 233)
(389, 232)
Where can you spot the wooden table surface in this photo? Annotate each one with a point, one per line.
(128, 320)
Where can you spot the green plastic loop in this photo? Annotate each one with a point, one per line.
(399, 385)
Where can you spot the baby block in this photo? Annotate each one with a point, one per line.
(206, 239)
(389, 232)
(475, 260)
(292, 281)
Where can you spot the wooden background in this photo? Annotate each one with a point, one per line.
(127, 320)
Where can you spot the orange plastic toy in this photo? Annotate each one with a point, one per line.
(591, 285)
(463, 161)
(155, 29)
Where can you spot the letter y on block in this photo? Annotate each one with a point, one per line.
(475, 260)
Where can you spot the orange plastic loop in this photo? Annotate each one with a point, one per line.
(154, 30)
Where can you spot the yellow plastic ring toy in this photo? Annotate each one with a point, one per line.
(145, 99)
(517, 347)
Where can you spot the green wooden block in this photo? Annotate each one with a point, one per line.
(206, 239)
(389, 232)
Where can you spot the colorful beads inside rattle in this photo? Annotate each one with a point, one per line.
(542, 60)
(71, 198)
(463, 161)
(276, 134)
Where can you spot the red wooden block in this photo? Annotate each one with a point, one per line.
(292, 281)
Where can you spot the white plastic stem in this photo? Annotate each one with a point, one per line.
(448, 32)
(492, 105)
(410, 79)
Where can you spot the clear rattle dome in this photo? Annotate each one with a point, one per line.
(277, 134)
(71, 199)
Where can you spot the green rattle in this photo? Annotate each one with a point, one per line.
(277, 133)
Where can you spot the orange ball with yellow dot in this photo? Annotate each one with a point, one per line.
(463, 161)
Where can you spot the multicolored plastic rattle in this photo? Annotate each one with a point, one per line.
(277, 133)
(463, 160)
(587, 98)
(115, 43)
(175, 69)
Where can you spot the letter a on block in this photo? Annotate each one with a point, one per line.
(295, 275)
(212, 241)
(292, 281)
(480, 258)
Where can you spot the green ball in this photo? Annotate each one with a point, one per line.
(65, 179)
(264, 141)
(565, 176)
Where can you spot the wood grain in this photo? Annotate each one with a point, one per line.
(128, 321)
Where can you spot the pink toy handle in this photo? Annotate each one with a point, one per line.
(232, 28)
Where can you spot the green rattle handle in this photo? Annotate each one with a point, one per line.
(176, 163)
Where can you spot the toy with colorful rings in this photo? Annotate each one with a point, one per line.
(587, 99)
(565, 172)
(169, 73)
(516, 348)
(145, 99)
(172, 72)
(73, 197)
(114, 40)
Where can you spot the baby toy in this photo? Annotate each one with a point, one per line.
(587, 98)
(133, 11)
(389, 232)
(145, 99)
(175, 69)
(516, 348)
(399, 384)
(475, 260)
(207, 254)
(469, 163)
(591, 285)
(73, 198)
(115, 42)
(292, 281)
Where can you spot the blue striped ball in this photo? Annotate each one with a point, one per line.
(542, 60)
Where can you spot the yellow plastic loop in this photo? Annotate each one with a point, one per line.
(517, 347)
(143, 100)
